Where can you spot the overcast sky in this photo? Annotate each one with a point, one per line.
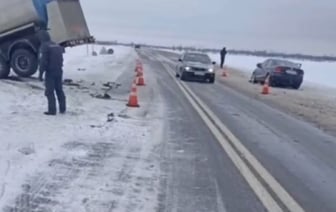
(306, 26)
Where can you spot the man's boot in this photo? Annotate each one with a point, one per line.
(49, 113)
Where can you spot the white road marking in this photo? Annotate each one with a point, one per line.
(237, 152)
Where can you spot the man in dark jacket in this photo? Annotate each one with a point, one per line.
(222, 57)
(51, 63)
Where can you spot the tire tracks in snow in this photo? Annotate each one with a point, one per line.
(3, 186)
(116, 175)
(41, 191)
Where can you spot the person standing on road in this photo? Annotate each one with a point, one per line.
(51, 63)
(222, 57)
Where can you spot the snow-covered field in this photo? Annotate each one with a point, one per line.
(99, 155)
(318, 73)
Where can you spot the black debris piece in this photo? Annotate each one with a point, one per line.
(101, 96)
(110, 117)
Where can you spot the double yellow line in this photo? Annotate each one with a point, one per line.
(269, 191)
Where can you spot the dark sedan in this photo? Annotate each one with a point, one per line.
(280, 72)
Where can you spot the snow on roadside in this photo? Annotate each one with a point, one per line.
(108, 160)
(77, 61)
(316, 73)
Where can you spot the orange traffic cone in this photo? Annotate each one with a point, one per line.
(133, 100)
(266, 89)
(141, 80)
(139, 71)
(225, 74)
(139, 63)
(138, 68)
(134, 86)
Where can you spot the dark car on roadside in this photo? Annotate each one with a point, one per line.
(196, 66)
(281, 73)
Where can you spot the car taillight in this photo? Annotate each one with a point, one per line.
(279, 70)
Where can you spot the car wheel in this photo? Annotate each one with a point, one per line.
(253, 79)
(271, 82)
(297, 86)
(177, 75)
(212, 80)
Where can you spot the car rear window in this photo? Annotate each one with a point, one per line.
(287, 63)
(203, 58)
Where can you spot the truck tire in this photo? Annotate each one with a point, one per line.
(4, 68)
(24, 62)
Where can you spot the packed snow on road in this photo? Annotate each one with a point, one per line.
(97, 157)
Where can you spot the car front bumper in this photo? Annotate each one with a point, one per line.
(199, 75)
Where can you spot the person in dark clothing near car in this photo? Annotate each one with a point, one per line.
(51, 63)
(222, 57)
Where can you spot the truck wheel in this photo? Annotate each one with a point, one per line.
(4, 68)
(24, 62)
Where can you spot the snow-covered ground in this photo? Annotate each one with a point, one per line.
(99, 155)
(319, 73)
(81, 58)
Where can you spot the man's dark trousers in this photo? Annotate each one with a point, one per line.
(222, 61)
(54, 84)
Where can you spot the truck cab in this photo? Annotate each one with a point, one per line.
(19, 43)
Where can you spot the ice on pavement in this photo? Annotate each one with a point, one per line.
(79, 161)
(319, 73)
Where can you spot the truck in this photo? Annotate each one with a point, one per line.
(20, 22)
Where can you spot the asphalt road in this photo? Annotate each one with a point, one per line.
(201, 176)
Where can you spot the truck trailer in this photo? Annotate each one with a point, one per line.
(20, 22)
